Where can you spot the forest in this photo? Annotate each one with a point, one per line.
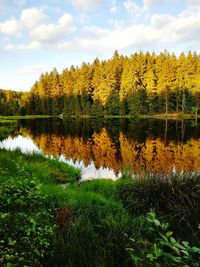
(11, 103)
(142, 83)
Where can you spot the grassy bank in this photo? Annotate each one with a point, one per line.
(47, 218)
(139, 116)
(6, 118)
(176, 116)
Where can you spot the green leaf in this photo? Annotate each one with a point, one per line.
(168, 234)
(173, 240)
(150, 257)
(157, 222)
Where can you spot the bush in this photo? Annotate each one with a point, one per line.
(26, 226)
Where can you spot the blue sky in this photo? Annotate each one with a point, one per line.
(37, 35)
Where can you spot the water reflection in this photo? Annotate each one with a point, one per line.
(104, 148)
(25, 144)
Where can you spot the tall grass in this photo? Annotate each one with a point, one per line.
(174, 196)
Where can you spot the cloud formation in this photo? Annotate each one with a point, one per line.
(52, 32)
(132, 7)
(38, 30)
(65, 32)
(85, 5)
(37, 27)
(32, 17)
(10, 27)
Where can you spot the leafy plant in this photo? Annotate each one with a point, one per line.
(164, 249)
(26, 227)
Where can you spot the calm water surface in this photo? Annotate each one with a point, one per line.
(104, 148)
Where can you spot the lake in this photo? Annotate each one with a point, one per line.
(104, 148)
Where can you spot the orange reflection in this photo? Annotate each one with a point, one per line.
(154, 155)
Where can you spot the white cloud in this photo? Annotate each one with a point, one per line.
(94, 31)
(148, 4)
(132, 7)
(37, 29)
(36, 26)
(85, 5)
(53, 32)
(161, 21)
(182, 30)
(186, 26)
(163, 31)
(30, 18)
(33, 17)
(31, 46)
(121, 38)
(10, 27)
(113, 10)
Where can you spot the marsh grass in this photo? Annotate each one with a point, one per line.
(173, 196)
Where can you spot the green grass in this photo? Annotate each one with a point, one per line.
(2, 118)
(10, 119)
(7, 121)
(91, 223)
(177, 116)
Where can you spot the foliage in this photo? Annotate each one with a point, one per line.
(138, 84)
(26, 228)
(162, 249)
(10, 102)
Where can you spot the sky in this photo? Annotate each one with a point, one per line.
(38, 35)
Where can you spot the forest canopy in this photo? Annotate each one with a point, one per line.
(142, 83)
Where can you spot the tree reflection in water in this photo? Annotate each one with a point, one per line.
(115, 144)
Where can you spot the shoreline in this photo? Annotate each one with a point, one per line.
(178, 116)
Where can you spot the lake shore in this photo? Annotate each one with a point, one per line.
(145, 116)
(3, 118)
(93, 222)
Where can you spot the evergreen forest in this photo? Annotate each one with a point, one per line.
(142, 83)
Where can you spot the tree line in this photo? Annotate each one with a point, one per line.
(11, 103)
(123, 85)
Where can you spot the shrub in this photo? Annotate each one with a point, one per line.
(26, 226)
